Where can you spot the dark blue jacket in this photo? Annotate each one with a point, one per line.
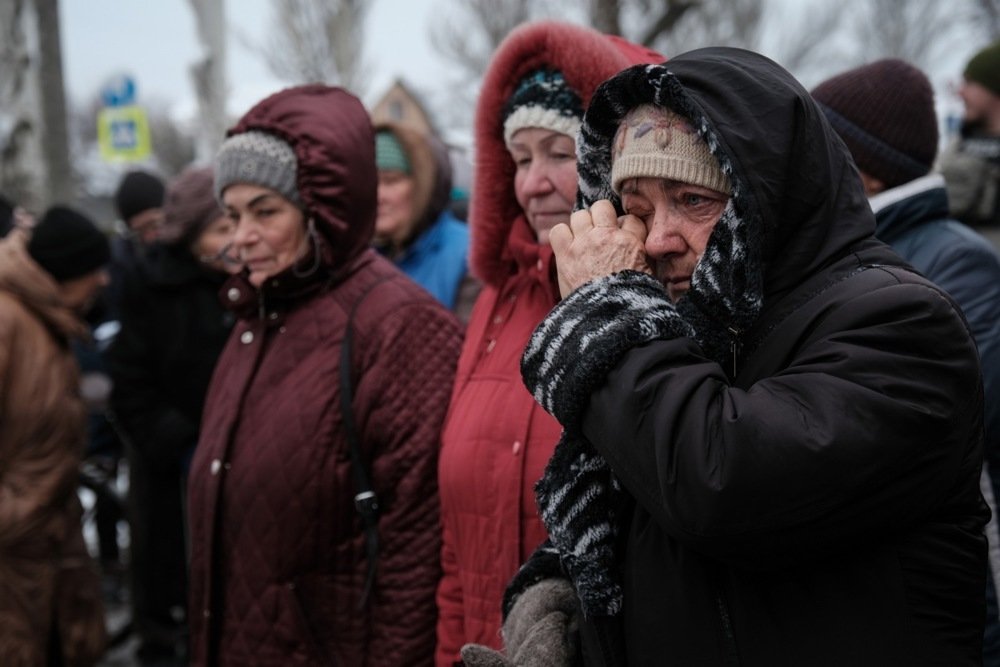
(913, 219)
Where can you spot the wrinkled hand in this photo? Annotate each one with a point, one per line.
(597, 243)
(542, 630)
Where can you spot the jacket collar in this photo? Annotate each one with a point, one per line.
(910, 205)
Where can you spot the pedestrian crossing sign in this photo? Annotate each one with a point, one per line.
(123, 134)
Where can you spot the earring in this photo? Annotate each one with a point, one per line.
(313, 236)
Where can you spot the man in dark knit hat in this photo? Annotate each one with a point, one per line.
(50, 597)
(884, 112)
(971, 163)
(139, 202)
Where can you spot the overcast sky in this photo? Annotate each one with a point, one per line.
(156, 43)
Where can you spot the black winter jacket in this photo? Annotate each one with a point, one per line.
(173, 330)
(800, 437)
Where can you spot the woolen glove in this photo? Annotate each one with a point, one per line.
(541, 630)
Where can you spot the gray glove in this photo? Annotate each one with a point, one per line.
(541, 630)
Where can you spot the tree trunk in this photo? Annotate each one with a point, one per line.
(604, 16)
(58, 183)
(210, 78)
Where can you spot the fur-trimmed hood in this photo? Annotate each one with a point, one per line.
(781, 156)
(585, 58)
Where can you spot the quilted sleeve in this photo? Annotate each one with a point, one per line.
(401, 402)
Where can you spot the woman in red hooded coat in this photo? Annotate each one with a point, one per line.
(279, 572)
(497, 440)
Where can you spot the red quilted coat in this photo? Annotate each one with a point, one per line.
(497, 440)
(278, 557)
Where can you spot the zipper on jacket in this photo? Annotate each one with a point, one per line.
(735, 347)
(731, 655)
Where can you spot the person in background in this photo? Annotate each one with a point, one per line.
(497, 439)
(139, 202)
(173, 328)
(312, 492)
(414, 227)
(772, 424)
(971, 162)
(50, 594)
(884, 112)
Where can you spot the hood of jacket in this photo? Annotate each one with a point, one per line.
(430, 168)
(331, 134)
(30, 284)
(586, 58)
(797, 205)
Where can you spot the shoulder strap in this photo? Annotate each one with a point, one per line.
(365, 500)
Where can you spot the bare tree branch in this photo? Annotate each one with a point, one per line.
(690, 25)
(209, 76)
(469, 39)
(915, 30)
(671, 14)
(318, 41)
(986, 13)
(605, 16)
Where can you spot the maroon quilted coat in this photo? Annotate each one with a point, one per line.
(497, 440)
(278, 558)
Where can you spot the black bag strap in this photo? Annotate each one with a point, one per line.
(365, 500)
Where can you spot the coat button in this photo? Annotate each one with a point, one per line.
(516, 448)
(233, 294)
(540, 265)
(246, 337)
(206, 613)
(216, 466)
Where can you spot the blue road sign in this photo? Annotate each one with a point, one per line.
(119, 91)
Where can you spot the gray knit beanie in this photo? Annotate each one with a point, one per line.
(257, 158)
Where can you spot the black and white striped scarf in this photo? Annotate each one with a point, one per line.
(569, 354)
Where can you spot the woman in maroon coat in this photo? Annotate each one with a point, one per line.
(279, 572)
(497, 440)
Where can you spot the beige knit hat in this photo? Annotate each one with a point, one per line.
(658, 143)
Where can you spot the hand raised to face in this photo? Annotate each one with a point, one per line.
(597, 243)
